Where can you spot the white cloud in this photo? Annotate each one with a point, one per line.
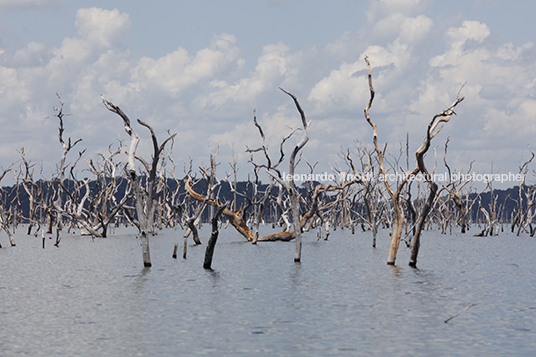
(381, 9)
(470, 30)
(102, 28)
(347, 86)
(341, 88)
(275, 67)
(407, 29)
(33, 55)
(207, 97)
(177, 71)
(510, 52)
(415, 29)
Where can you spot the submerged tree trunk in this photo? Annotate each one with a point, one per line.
(292, 191)
(141, 218)
(193, 229)
(135, 182)
(397, 233)
(234, 217)
(209, 253)
(416, 242)
(432, 131)
(375, 225)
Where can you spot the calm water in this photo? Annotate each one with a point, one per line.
(94, 298)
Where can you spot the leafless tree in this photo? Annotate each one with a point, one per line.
(4, 219)
(146, 201)
(30, 187)
(209, 253)
(432, 131)
(62, 208)
(236, 217)
(105, 203)
(373, 197)
(524, 213)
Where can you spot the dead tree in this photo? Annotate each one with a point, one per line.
(4, 220)
(234, 185)
(212, 183)
(259, 212)
(524, 212)
(146, 202)
(209, 253)
(73, 206)
(492, 223)
(453, 187)
(432, 131)
(31, 188)
(61, 180)
(46, 192)
(172, 198)
(395, 195)
(528, 212)
(290, 185)
(236, 217)
(105, 205)
(15, 206)
(372, 193)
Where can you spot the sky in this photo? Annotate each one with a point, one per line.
(200, 68)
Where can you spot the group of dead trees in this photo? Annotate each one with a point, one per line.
(151, 195)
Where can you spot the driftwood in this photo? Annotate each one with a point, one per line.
(234, 217)
(237, 221)
(459, 312)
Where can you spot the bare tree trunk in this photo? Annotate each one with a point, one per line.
(174, 254)
(193, 229)
(145, 208)
(209, 253)
(416, 242)
(432, 131)
(397, 233)
(327, 230)
(139, 204)
(293, 192)
(4, 221)
(10, 236)
(375, 225)
(235, 218)
(262, 205)
(135, 139)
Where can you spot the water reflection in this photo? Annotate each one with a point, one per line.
(396, 270)
(214, 276)
(141, 279)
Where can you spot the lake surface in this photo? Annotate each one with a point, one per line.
(94, 298)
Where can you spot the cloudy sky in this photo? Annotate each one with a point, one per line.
(199, 68)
